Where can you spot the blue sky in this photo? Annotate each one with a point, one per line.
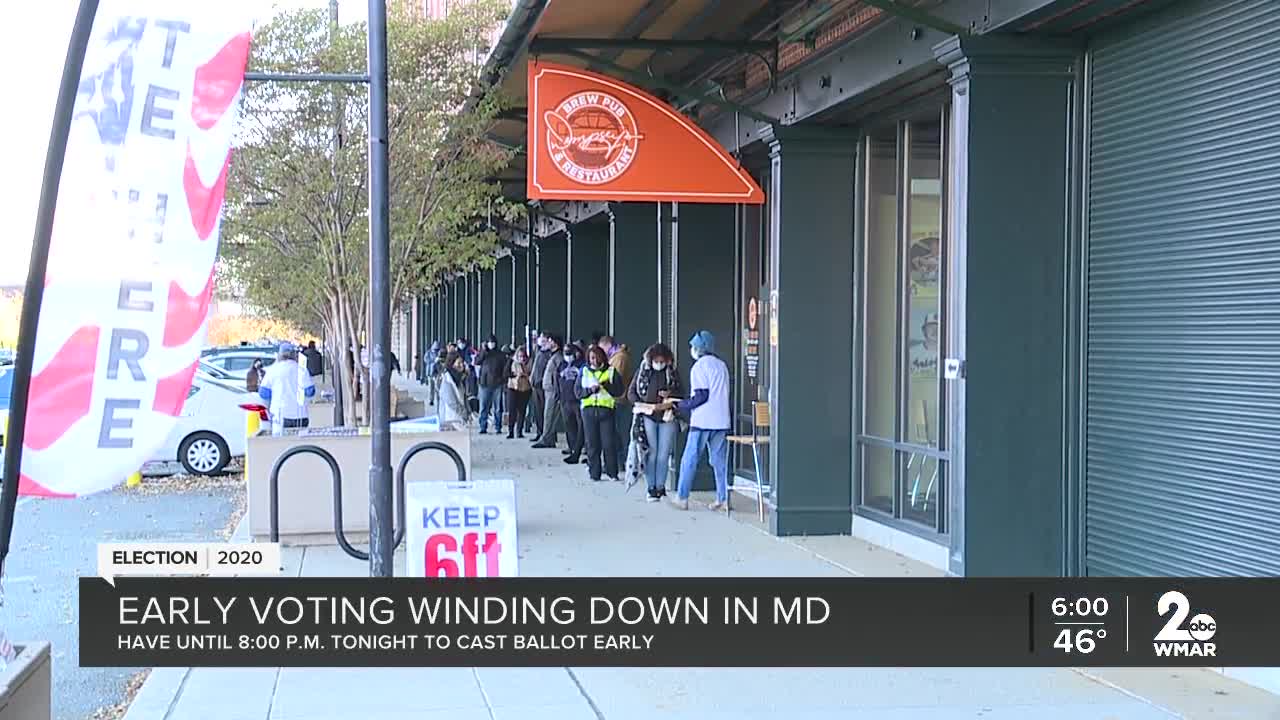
(35, 54)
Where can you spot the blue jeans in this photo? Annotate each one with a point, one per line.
(662, 436)
(487, 397)
(717, 451)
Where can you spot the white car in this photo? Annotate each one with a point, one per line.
(210, 431)
(238, 362)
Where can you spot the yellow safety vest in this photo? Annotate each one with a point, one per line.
(600, 398)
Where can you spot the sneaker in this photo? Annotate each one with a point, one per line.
(483, 431)
(566, 451)
(717, 505)
(570, 461)
(652, 498)
(679, 504)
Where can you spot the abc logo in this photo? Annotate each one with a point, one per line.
(1202, 627)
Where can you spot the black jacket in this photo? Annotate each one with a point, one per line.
(315, 361)
(658, 380)
(493, 368)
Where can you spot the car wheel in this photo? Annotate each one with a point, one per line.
(204, 454)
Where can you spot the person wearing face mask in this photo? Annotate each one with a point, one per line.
(518, 391)
(708, 413)
(452, 406)
(493, 376)
(551, 394)
(570, 406)
(540, 358)
(653, 433)
(598, 390)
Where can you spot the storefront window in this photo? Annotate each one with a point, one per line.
(880, 354)
(924, 315)
(903, 461)
(753, 343)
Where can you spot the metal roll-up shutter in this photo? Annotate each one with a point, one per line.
(1183, 308)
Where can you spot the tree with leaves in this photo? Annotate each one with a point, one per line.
(297, 224)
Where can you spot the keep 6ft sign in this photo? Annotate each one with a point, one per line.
(462, 529)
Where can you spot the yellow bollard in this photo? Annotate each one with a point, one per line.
(252, 424)
(134, 480)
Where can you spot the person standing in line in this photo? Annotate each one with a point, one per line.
(518, 391)
(598, 391)
(429, 360)
(551, 393)
(570, 405)
(315, 360)
(285, 388)
(653, 434)
(709, 420)
(253, 378)
(452, 407)
(493, 375)
(500, 402)
(620, 360)
(540, 358)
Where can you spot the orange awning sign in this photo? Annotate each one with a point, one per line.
(592, 137)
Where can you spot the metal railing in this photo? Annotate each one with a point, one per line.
(335, 473)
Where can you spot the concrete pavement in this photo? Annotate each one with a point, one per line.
(570, 526)
(55, 542)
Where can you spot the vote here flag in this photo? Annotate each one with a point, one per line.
(135, 240)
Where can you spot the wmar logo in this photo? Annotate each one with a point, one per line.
(1175, 640)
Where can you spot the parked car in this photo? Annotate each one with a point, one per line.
(237, 362)
(7, 357)
(209, 433)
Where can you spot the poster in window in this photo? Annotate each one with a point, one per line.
(751, 339)
(924, 259)
(923, 346)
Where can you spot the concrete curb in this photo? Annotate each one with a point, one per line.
(158, 694)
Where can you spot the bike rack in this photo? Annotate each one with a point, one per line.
(404, 463)
(336, 473)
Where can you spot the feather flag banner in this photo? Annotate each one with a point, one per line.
(135, 241)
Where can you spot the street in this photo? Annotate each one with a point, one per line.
(55, 543)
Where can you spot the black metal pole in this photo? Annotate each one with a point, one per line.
(381, 518)
(33, 293)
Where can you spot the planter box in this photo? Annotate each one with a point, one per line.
(320, 413)
(26, 686)
(306, 490)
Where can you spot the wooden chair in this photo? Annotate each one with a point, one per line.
(760, 422)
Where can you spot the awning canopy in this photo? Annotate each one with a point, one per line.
(703, 57)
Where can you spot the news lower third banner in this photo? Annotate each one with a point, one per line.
(678, 622)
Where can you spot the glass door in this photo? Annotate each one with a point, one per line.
(900, 449)
(753, 340)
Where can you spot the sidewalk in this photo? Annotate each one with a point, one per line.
(570, 526)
